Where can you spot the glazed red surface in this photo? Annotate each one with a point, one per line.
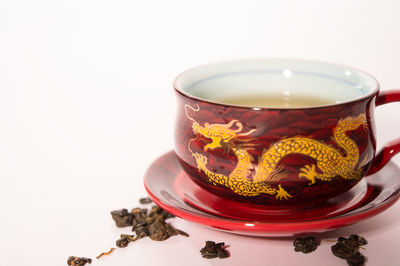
(271, 126)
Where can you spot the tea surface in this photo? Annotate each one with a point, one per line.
(277, 101)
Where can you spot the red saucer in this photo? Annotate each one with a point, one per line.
(171, 188)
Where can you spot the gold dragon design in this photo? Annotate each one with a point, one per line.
(330, 161)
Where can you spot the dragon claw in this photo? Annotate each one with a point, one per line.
(201, 160)
(281, 193)
(308, 171)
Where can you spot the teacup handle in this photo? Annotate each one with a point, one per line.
(393, 147)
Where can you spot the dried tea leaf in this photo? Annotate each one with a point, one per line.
(180, 232)
(305, 245)
(146, 200)
(356, 260)
(139, 213)
(348, 249)
(78, 261)
(130, 237)
(342, 251)
(105, 253)
(122, 218)
(158, 231)
(171, 231)
(167, 215)
(209, 251)
(122, 242)
(140, 227)
(358, 239)
(125, 240)
(221, 251)
(157, 210)
(212, 250)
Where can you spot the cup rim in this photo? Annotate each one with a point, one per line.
(179, 90)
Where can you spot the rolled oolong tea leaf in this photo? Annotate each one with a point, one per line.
(125, 240)
(348, 249)
(342, 251)
(212, 250)
(78, 261)
(146, 200)
(139, 213)
(305, 245)
(159, 232)
(155, 210)
(209, 251)
(356, 260)
(141, 228)
(158, 211)
(122, 242)
(222, 253)
(358, 239)
(130, 237)
(350, 243)
(122, 218)
(166, 215)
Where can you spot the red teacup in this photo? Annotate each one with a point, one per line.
(316, 142)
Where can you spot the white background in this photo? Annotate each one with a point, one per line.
(86, 104)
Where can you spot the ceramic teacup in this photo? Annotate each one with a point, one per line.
(278, 132)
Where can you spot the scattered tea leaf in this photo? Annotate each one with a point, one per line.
(139, 213)
(358, 239)
(122, 242)
(158, 211)
(348, 249)
(180, 232)
(158, 231)
(356, 260)
(146, 200)
(342, 251)
(305, 245)
(78, 261)
(125, 240)
(140, 227)
(105, 253)
(222, 253)
(130, 237)
(122, 217)
(212, 250)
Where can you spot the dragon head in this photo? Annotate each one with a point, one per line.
(196, 127)
(220, 134)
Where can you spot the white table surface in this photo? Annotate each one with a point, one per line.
(86, 104)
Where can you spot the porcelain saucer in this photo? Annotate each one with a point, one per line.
(172, 189)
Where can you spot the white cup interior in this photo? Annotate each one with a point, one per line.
(285, 77)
